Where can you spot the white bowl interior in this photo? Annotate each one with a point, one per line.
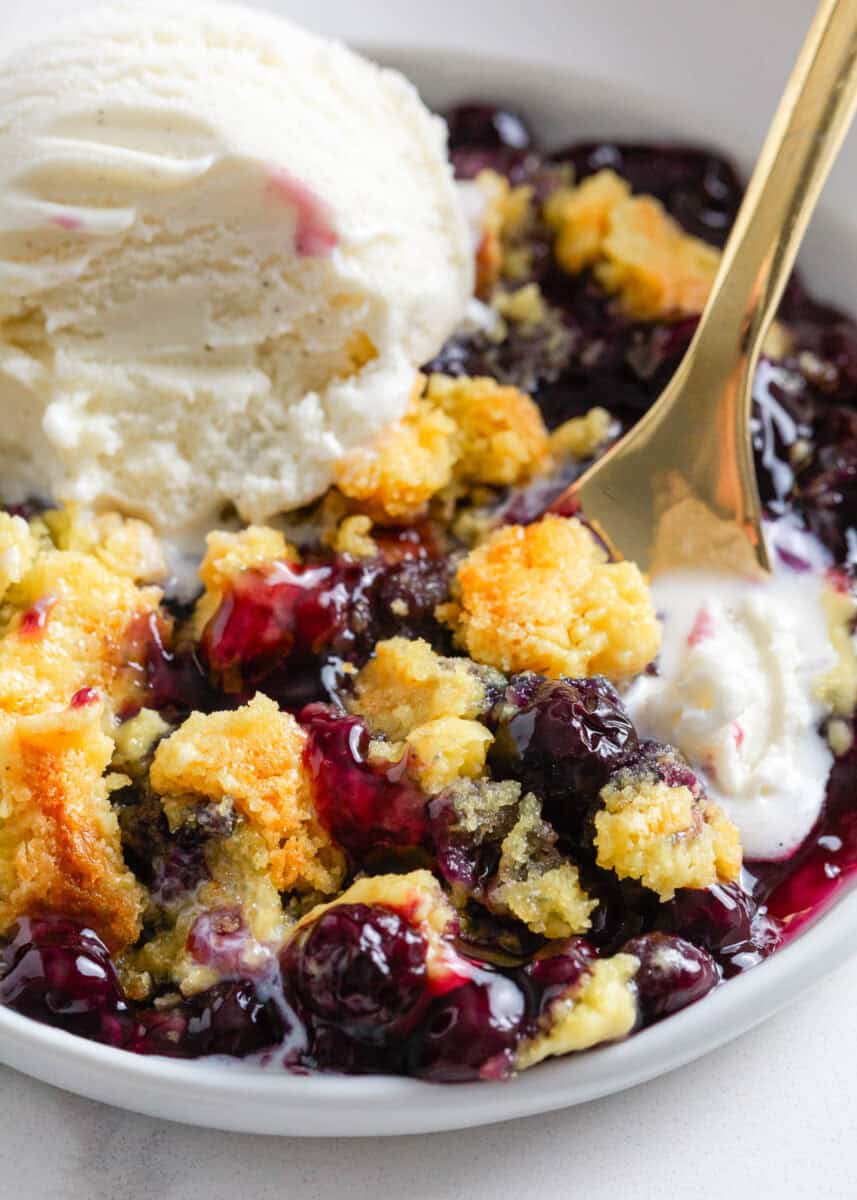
(236, 1097)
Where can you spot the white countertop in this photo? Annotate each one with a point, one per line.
(772, 1115)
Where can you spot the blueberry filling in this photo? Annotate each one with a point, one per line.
(371, 987)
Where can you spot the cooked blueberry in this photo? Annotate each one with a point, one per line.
(235, 1019)
(562, 738)
(486, 125)
(359, 968)
(177, 683)
(60, 973)
(330, 1048)
(625, 909)
(285, 625)
(467, 825)
(556, 971)
(219, 939)
(719, 918)
(471, 1032)
(178, 872)
(673, 973)
(364, 806)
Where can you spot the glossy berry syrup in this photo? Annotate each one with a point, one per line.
(365, 805)
(798, 890)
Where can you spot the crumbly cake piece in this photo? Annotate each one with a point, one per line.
(353, 536)
(406, 684)
(427, 705)
(581, 217)
(412, 461)
(535, 884)
(500, 437)
(60, 848)
(253, 756)
(664, 836)
(582, 437)
(544, 598)
(18, 550)
(601, 1008)
(508, 216)
(637, 251)
(236, 903)
(124, 545)
(470, 431)
(445, 750)
(525, 306)
(74, 618)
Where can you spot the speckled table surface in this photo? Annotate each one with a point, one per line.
(771, 1115)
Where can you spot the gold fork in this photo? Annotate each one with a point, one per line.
(680, 489)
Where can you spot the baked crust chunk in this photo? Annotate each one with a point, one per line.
(601, 1008)
(60, 849)
(636, 249)
(254, 757)
(666, 837)
(406, 684)
(74, 618)
(544, 598)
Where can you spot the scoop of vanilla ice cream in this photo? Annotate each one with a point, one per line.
(737, 691)
(225, 246)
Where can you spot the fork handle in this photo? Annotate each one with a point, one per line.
(807, 132)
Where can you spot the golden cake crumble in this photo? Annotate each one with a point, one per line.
(468, 430)
(447, 749)
(635, 248)
(426, 705)
(74, 618)
(664, 836)
(411, 462)
(581, 217)
(18, 550)
(354, 536)
(59, 838)
(253, 756)
(509, 213)
(544, 598)
(125, 546)
(438, 753)
(540, 889)
(602, 1008)
(524, 306)
(406, 684)
(500, 437)
(582, 437)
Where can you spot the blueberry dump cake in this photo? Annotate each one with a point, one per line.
(418, 780)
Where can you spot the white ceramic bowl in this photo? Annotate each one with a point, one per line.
(236, 1097)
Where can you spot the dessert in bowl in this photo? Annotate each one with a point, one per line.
(397, 793)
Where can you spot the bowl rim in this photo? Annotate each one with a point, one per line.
(235, 1096)
(232, 1095)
